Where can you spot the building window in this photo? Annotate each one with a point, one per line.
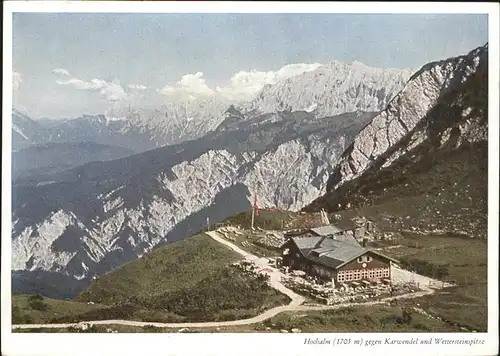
(363, 259)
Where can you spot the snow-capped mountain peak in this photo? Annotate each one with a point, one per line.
(334, 88)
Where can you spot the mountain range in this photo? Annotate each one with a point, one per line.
(332, 89)
(297, 144)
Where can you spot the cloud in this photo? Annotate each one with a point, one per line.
(112, 91)
(61, 71)
(94, 85)
(244, 85)
(190, 85)
(137, 87)
(17, 79)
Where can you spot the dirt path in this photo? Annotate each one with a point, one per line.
(275, 282)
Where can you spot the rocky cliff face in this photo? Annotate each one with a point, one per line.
(425, 156)
(402, 115)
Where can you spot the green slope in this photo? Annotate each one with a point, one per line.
(28, 309)
(174, 267)
(352, 319)
(266, 219)
(190, 280)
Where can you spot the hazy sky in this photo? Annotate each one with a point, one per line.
(71, 64)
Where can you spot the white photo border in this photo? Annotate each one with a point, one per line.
(14, 344)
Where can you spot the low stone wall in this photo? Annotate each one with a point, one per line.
(326, 294)
(271, 240)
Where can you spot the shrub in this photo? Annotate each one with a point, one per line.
(267, 219)
(152, 328)
(95, 329)
(224, 291)
(406, 317)
(426, 268)
(37, 304)
(35, 297)
(18, 317)
(124, 311)
(420, 326)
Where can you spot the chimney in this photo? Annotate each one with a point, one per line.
(364, 242)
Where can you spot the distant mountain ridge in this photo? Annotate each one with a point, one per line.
(332, 89)
(24, 130)
(39, 159)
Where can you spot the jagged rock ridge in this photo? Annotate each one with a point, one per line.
(435, 163)
(405, 111)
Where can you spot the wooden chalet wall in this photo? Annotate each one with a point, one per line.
(378, 267)
(295, 260)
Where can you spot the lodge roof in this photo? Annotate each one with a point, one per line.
(331, 229)
(326, 230)
(332, 251)
(345, 224)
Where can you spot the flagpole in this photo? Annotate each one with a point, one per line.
(256, 204)
(253, 213)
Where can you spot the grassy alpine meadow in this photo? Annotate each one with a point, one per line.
(177, 266)
(447, 257)
(35, 309)
(266, 219)
(359, 319)
(353, 319)
(465, 261)
(190, 280)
